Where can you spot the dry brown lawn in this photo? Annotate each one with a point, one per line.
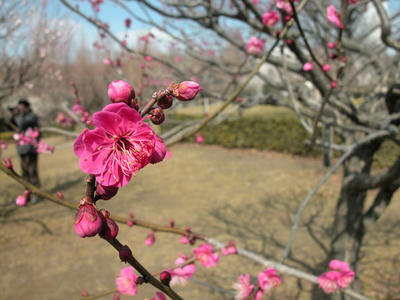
(240, 195)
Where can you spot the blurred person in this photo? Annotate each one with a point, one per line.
(27, 124)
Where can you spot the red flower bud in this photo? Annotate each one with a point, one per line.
(157, 116)
(165, 102)
(110, 228)
(8, 162)
(125, 253)
(106, 192)
(87, 221)
(165, 277)
(60, 195)
(120, 91)
(171, 223)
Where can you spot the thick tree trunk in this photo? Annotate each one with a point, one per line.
(348, 229)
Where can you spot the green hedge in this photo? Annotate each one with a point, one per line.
(280, 132)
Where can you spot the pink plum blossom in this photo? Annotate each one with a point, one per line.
(184, 240)
(180, 275)
(308, 66)
(339, 277)
(22, 200)
(229, 249)
(3, 145)
(284, 5)
(119, 145)
(8, 162)
(255, 46)
(199, 138)
(333, 84)
(331, 45)
(243, 287)
(186, 90)
(328, 281)
(269, 279)
(150, 239)
(206, 256)
(333, 16)
(44, 148)
(126, 283)
(87, 221)
(120, 91)
(270, 18)
(107, 61)
(326, 67)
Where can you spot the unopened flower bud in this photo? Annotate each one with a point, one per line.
(165, 277)
(8, 162)
(60, 195)
(157, 116)
(116, 296)
(84, 293)
(171, 223)
(165, 102)
(150, 239)
(186, 90)
(120, 91)
(110, 228)
(192, 241)
(185, 240)
(87, 221)
(22, 200)
(331, 45)
(140, 280)
(333, 84)
(106, 192)
(125, 253)
(326, 67)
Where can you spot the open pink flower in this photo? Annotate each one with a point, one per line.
(119, 146)
(229, 249)
(126, 283)
(255, 46)
(328, 281)
(270, 18)
(206, 256)
(243, 287)
(284, 5)
(269, 279)
(339, 277)
(3, 145)
(333, 16)
(182, 274)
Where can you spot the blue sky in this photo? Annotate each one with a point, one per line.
(115, 16)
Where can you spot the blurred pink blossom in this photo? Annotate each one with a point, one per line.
(333, 16)
(270, 18)
(126, 283)
(206, 256)
(243, 287)
(255, 46)
(181, 275)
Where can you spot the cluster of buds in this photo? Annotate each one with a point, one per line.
(121, 91)
(89, 221)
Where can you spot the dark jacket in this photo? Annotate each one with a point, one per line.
(29, 120)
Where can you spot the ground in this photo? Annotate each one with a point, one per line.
(240, 195)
